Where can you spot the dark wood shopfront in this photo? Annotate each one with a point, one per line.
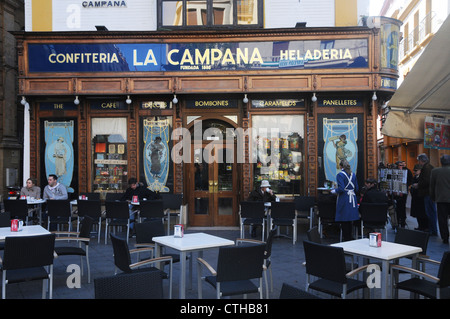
(138, 99)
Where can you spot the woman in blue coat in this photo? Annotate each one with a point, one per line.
(346, 203)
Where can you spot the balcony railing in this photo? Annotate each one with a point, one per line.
(429, 25)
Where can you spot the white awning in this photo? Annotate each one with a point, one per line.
(424, 92)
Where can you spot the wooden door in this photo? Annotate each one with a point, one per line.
(213, 185)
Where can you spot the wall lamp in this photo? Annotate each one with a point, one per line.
(314, 98)
(76, 101)
(24, 101)
(174, 100)
(245, 99)
(374, 96)
(128, 100)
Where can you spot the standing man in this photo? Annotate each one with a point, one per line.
(423, 186)
(400, 198)
(440, 194)
(55, 190)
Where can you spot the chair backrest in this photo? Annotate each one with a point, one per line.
(172, 201)
(151, 208)
(138, 285)
(86, 227)
(325, 261)
(117, 210)
(413, 238)
(314, 235)
(240, 263)
(304, 203)
(122, 258)
(91, 196)
(444, 270)
(16, 208)
(58, 207)
(28, 251)
(327, 209)
(373, 212)
(252, 209)
(269, 242)
(147, 230)
(285, 210)
(113, 196)
(291, 292)
(5, 219)
(92, 208)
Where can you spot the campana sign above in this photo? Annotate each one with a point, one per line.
(103, 4)
(232, 56)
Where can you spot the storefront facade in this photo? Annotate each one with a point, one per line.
(206, 114)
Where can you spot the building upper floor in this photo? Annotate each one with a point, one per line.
(154, 15)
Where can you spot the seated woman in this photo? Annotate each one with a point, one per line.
(31, 189)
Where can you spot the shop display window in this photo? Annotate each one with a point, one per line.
(109, 155)
(278, 152)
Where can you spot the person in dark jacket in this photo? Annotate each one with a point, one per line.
(400, 198)
(440, 194)
(136, 189)
(423, 186)
(372, 194)
(417, 202)
(264, 193)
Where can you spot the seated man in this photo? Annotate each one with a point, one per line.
(264, 193)
(136, 189)
(372, 194)
(54, 190)
(142, 192)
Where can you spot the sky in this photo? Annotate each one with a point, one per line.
(375, 7)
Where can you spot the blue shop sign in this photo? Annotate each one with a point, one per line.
(229, 56)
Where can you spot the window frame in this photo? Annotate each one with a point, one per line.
(209, 25)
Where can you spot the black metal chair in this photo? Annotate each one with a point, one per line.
(267, 255)
(304, 205)
(117, 214)
(18, 208)
(111, 197)
(82, 237)
(59, 213)
(139, 285)
(252, 213)
(173, 206)
(283, 214)
(26, 258)
(151, 209)
(414, 238)
(122, 260)
(236, 267)
(434, 287)
(291, 292)
(5, 219)
(327, 215)
(93, 209)
(313, 235)
(373, 216)
(327, 263)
